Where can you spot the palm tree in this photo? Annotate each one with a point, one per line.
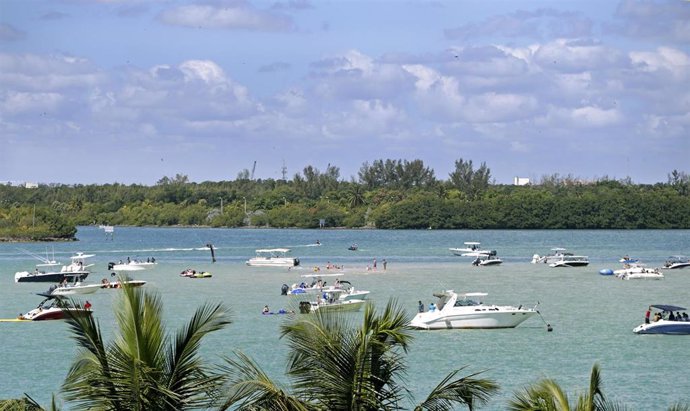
(547, 395)
(335, 365)
(144, 367)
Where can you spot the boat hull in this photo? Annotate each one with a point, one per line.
(55, 277)
(54, 313)
(76, 290)
(479, 320)
(664, 327)
(272, 262)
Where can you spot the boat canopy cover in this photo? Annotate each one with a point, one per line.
(668, 307)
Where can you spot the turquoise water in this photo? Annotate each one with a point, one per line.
(592, 315)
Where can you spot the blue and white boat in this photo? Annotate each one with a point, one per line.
(669, 319)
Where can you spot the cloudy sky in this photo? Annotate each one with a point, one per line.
(130, 91)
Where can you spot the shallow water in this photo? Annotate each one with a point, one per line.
(592, 315)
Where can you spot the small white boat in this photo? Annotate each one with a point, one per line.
(556, 253)
(273, 257)
(677, 261)
(669, 319)
(471, 249)
(487, 259)
(132, 265)
(570, 260)
(118, 284)
(454, 310)
(329, 301)
(72, 285)
(51, 309)
(638, 271)
(342, 288)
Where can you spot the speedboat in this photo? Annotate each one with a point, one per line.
(629, 260)
(132, 265)
(487, 259)
(638, 271)
(665, 321)
(72, 285)
(677, 261)
(118, 284)
(556, 254)
(53, 308)
(353, 247)
(570, 260)
(342, 288)
(273, 257)
(77, 266)
(471, 249)
(330, 301)
(454, 310)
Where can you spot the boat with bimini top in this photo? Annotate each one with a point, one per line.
(471, 249)
(50, 274)
(665, 321)
(273, 257)
(677, 261)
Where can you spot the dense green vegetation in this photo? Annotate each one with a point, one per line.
(389, 194)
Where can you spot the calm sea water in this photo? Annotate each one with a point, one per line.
(592, 315)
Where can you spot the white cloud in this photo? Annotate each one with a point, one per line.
(232, 16)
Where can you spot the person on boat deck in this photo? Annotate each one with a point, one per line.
(671, 317)
(265, 310)
(657, 317)
(337, 283)
(685, 316)
(420, 307)
(432, 307)
(647, 314)
(87, 305)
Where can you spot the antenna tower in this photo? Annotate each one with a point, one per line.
(253, 169)
(283, 170)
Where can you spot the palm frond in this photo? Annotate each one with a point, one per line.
(545, 395)
(249, 388)
(185, 374)
(469, 391)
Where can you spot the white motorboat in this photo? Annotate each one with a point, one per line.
(48, 272)
(273, 257)
(471, 249)
(677, 261)
(52, 308)
(555, 254)
(570, 260)
(454, 310)
(118, 284)
(342, 288)
(638, 271)
(132, 265)
(329, 301)
(72, 285)
(669, 319)
(487, 259)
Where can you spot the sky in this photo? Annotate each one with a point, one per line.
(130, 91)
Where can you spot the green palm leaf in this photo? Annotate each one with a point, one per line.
(469, 391)
(142, 369)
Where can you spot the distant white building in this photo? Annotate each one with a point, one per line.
(520, 181)
(31, 185)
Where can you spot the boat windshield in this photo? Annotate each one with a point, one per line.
(465, 303)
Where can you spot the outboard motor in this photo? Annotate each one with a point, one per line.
(284, 289)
